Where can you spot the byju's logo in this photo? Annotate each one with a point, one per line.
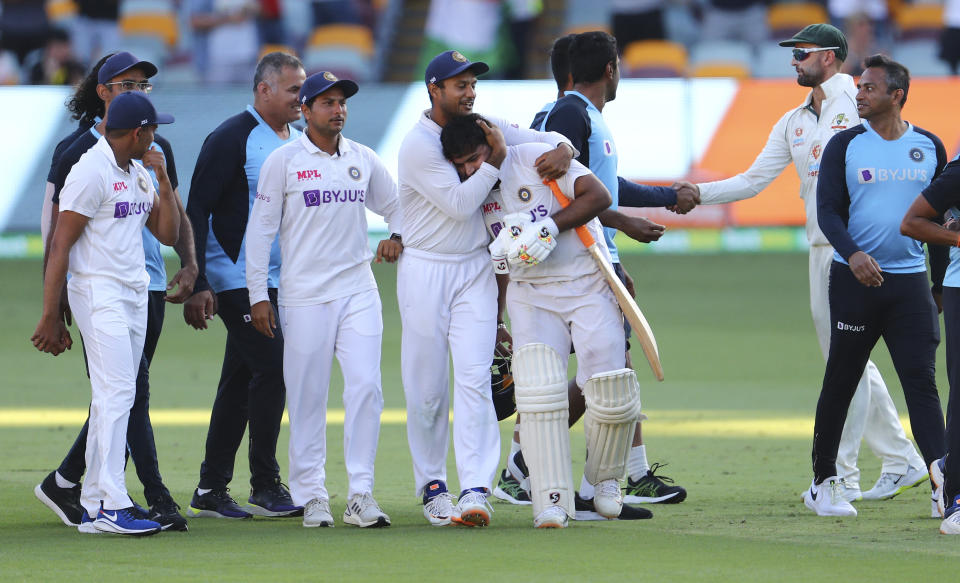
(311, 197)
(121, 210)
(866, 175)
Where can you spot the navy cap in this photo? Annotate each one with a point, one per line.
(133, 109)
(121, 62)
(449, 64)
(320, 82)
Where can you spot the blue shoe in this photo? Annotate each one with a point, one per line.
(215, 504)
(951, 518)
(273, 500)
(124, 521)
(86, 525)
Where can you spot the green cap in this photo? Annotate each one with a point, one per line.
(822, 35)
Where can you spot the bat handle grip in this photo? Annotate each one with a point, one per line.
(585, 237)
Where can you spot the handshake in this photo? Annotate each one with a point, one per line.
(522, 242)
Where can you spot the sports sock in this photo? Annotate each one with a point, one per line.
(202, 491)
(637, 466)
(586, 489)
(63, 482)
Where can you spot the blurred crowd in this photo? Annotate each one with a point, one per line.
(55, 41)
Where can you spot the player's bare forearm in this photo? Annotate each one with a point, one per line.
(54, 215)
(920, 224)
(637, 228)
(186, 277)
(51, 334)
(164, 220)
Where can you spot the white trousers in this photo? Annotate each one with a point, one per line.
(583, 312)
(112, 317)
(872, 416)
(448, 305)
(352, 329)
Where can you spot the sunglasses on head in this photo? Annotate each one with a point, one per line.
(802, 54)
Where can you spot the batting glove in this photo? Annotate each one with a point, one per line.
(498, 250)
(534, 243)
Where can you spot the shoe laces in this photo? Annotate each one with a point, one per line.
(475, 497)
(661, 478)
(609, 488)
(889, 479)
(166, 505)
(364, 501)
(440, 505)
(222, 496)
(317, 504)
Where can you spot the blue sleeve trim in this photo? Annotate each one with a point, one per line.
(644, 195)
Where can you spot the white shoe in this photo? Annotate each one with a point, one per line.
(827, 499)
(473, 509)
(551, 517)
(439, 510)
(936, 478)
(363, 511)
(889, 485)
(951, 524)
(317, 513)
(608, 499)
(850, 491)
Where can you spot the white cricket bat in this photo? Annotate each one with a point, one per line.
(631, 311)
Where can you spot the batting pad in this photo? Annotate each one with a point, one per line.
(613, 409)
(540, 385)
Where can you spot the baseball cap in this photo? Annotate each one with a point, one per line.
(320, 82)
(133, 109)
(820, 34)
(121, 62)
(450, 63)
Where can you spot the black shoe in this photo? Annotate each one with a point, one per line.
(653, 489)
(585, 510)
(167, 513)
(215, 504)
(65, 502)
(138, 512)
(511, 490)
(273, 500)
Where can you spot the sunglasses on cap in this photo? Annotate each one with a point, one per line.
(802, 54)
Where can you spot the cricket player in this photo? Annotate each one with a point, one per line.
(251, 386)
(107, 200)
(922, 222)
(314, 192)
(60, 490)
(556, 297)
(869, 176)
(445, 244)
(800, 137)
(578, 115)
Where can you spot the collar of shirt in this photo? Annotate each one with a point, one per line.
(870, 130)
(260, 120)
(428, 123)
(832, 87)
(103, 147)
(589, 103)
(343, 145)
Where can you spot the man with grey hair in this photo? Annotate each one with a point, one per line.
(251, 383)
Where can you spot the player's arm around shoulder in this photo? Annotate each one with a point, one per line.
(554, 161)
(590, 198)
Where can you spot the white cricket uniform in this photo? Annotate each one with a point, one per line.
(448, 304)
(108, 297)
(329, 304)
(564, 299)
(800, 136)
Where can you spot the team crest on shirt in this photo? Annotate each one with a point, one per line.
(815, 151)
(524, 194)
(456, 56)
(354, 172)
(840, 122)
(798, 132)
(142, 183)
(916, 154)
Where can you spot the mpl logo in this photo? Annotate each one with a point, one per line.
(866, 175)
(119, 186)
(308, 175)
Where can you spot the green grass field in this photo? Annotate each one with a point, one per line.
(733, 420)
